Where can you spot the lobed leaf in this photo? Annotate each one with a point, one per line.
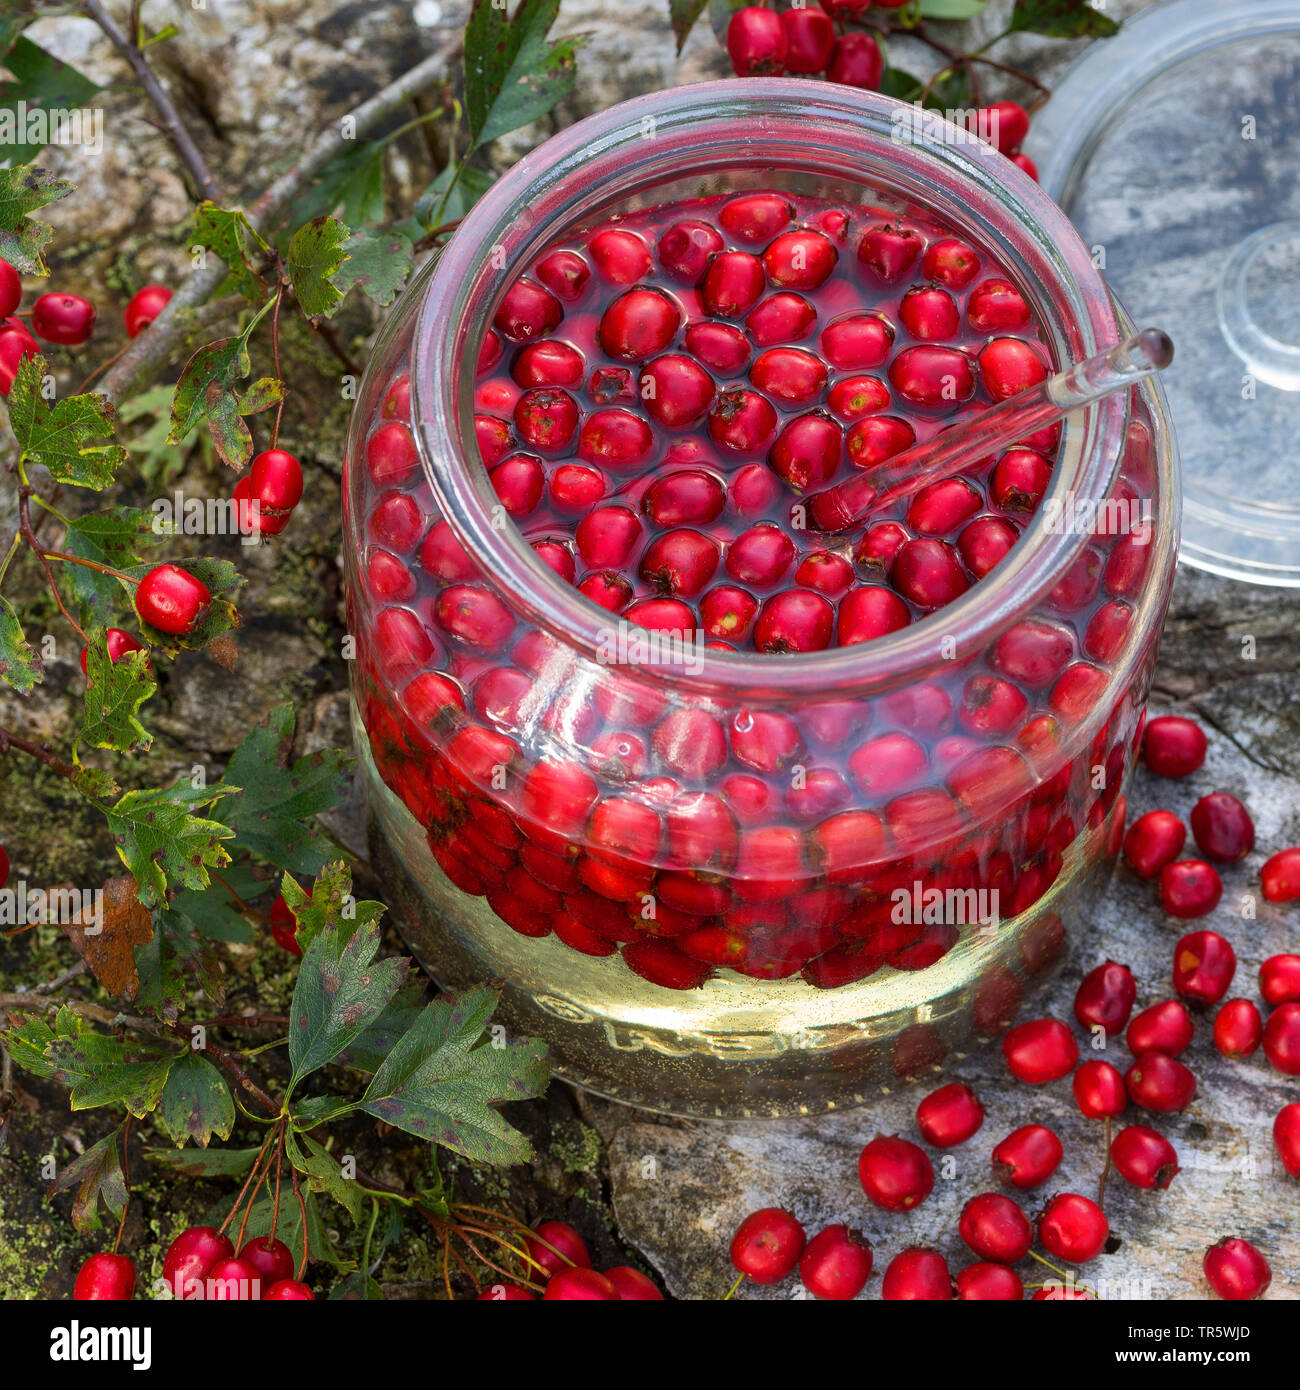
(65, 437)
(228, 233)
(341, 990)
(113, 537)
(22, 238)
(20, 665)
(275, 801)
(99, 1069)
(312, 1159)
(196, 1102)
(442, 1080)
(315, 254)
(109, 950)
(115, 690)
(514, 74)
(164, 843)
(377, 262)
(96, 1174)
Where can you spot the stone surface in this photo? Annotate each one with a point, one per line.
(681, 1189)
(259, 77)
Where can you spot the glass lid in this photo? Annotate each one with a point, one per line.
(1174, 147)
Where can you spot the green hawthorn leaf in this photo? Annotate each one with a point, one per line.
(265, 392)
(451, 195)
(683, 14)
(228, 233)
(368, 1052)
(20, 665)
(214, 913)
(720, 12)
(1061, 19)
(115, 690)
(341, 990)
(164, 843)
(315, 253)
(96, 1173)
(323, 1174)
(99, 1069)
(93, 782)
(42, 102)
(328, 904)
(271, 813)
(207, 392)
(22, 238)
(377, 262)
(26, 1043)
(513, 73)
(443, 1079)
(177, 958)
(288, 1225)
(952, 9)
(115, 538)
(196, 1102)
(63, 436)
(352, 182)
(157, 460)
(212, 1163)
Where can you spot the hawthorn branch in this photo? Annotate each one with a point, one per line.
(41, 752)
(115, 1018)
(173, 125)
(156, 343)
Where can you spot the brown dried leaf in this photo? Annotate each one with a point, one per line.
(109, 952)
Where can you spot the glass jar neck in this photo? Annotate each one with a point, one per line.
(720, 136)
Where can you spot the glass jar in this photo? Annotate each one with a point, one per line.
(828, 956)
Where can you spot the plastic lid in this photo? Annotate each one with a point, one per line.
(1174, 148)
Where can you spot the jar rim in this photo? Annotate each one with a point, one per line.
(874, 141)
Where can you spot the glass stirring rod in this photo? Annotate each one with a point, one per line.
(850, 502)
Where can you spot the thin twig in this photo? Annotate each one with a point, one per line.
(175, 127)
(59, 981)
(155, 344)
(302, 1218)
(29, 535)
(275, 359)
(248, 1182)
(42, 754)
(126, 1179)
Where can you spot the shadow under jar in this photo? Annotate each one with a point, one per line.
(745, 879)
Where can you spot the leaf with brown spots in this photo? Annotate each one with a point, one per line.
(96, 1173)
(196, 1102)
(108, 947)
(444, 1078)
(341, 990)
(276, 801)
